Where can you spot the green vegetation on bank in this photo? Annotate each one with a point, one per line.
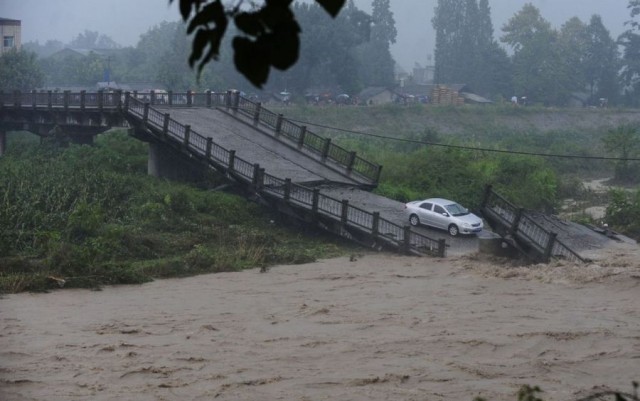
(89, 215)
(415, 168)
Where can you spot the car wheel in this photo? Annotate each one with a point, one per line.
(453, 230)
(414, 220)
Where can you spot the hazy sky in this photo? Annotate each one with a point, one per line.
(125, 20)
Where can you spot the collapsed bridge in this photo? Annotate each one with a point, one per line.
(275, 161)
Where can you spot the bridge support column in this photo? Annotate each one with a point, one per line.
(3, 142)
(169, 163)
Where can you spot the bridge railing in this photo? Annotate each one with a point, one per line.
(309, 199)
(517, 223)
(66, 99)
(299, 135)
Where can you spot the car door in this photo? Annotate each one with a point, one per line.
(424, 213)
(440, 217)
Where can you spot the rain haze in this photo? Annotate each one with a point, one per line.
(125, 20)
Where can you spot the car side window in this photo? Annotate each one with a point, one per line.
(426, 206)
(439, 209)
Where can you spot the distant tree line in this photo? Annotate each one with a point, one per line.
(546, 65)
(352, 51)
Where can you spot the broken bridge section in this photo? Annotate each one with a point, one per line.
(289, 151)
(537, 236)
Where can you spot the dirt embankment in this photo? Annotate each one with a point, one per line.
(399, 121)
(534, 120)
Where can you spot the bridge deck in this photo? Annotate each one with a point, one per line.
(275, 156)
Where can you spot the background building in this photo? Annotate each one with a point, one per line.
(10, 34)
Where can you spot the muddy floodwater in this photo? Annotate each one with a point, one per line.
(369, 327)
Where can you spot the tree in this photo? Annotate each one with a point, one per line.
(484, 82)
(466, 51)
(447, 21)
(331, 52)
(19, 69)
(384, 25)
(539, 70)
(78, 69)
(602, 61)
(573, 41)
(376, 63)
(268, 36)
(630, 41)
(93, 40)
(45, 50)
(624, 142)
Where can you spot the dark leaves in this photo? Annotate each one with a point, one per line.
(270, 34)
(278, 48)
(333, 7)
(206, 36)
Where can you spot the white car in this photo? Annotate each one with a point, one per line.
(444, 214)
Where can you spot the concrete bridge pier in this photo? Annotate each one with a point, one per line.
(165, 162)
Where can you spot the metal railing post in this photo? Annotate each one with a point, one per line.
(442, 247)
(209, 146)
(344, 213)
(152, 97)
(516, 221)
(375, 226)
(100, 99)
(315, 201)
(256, 115)
(351, 162)
(49, 99)
(189, 98)
(232, 160)
(208, 98)
(378, 174)
(260, 180)
(303, 134)
(279, 124)
(187, 134)
(549, 249)
(34, 99)
(145, 113)
(325, 149)
(256, 173)
(488, 189)
(227, 100)
(170, 100)
(67, 98)
(236, 102)
(406, 244)
(83, 99)
(165, 125)
(118, 94)
(287, 189)
(127, 99)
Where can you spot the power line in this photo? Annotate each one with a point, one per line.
(513, 152)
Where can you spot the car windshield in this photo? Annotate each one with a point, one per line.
(456, 210)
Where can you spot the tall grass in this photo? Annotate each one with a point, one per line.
(89, 215)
